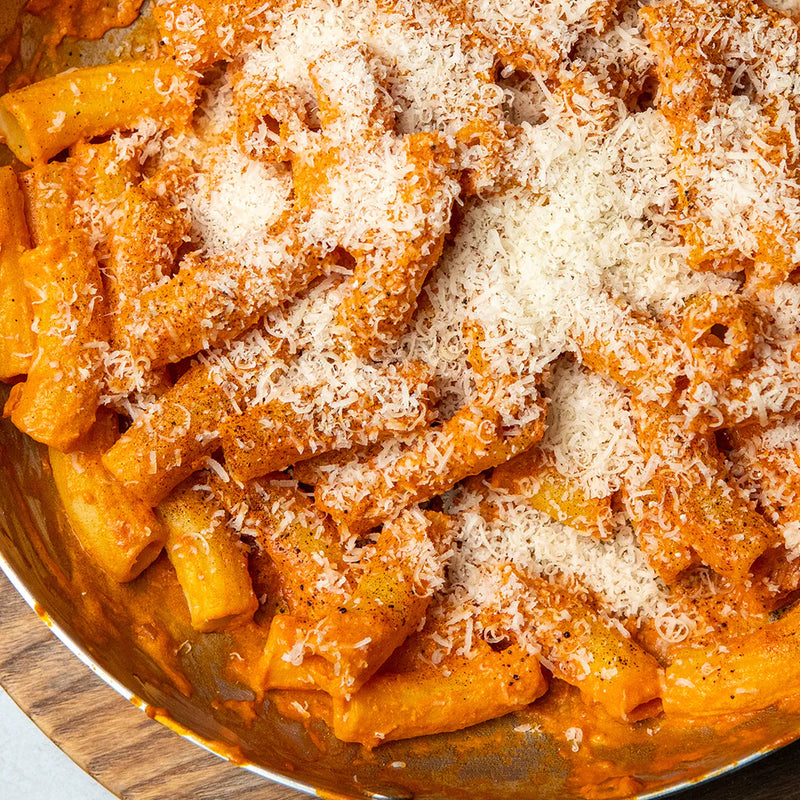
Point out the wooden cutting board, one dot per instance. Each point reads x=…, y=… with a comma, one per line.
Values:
x=131, y=755
x=138, y=759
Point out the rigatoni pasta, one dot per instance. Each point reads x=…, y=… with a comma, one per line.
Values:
x=120, y=532
x=57, y=403
x=41, y=120
x=17, y=340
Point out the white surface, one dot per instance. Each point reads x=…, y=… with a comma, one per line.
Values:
x=33, y=768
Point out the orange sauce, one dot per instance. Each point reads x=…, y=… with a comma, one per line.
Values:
x=43, y=615
x=325, y=795
x=85, y=19
x=75, y=19
x=9, y=48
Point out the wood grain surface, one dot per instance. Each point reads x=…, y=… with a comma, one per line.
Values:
x=138, y=759
x=130, y=754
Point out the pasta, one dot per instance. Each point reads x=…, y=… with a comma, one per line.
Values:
x=120, y=531
x=17, y=342
x=57, y=403
x=438, y=357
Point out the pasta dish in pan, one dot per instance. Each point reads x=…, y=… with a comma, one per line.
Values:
x=445, y=349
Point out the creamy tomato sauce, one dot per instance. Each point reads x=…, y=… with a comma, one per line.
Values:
x=76, y=19
x=86, y=19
